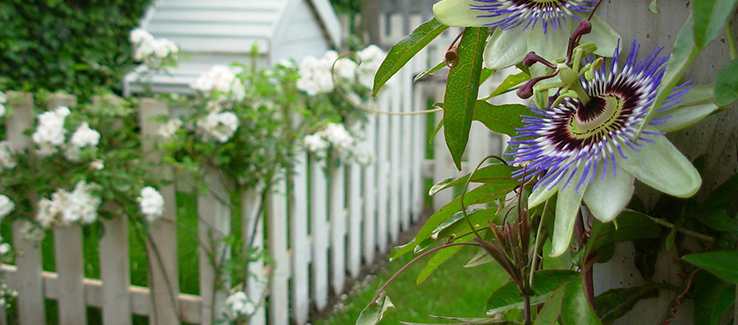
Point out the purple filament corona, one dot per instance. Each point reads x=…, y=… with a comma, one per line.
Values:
x=514, y=13
x=573, y=137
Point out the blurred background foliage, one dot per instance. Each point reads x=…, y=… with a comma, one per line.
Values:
x=76, y=46
x=347, y=6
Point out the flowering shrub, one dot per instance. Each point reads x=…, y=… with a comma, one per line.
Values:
x=155, y=53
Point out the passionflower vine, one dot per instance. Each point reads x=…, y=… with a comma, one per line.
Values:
x=585, y=148
x=522, y=26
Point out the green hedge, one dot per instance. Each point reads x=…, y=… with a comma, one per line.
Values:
x=70, y=45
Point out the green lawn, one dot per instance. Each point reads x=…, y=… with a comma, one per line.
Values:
x=451, y=291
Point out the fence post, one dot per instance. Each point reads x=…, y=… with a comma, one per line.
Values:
x=68, y=248
x=396, y=138
x=370, y=194
x=114, y=257
x=337, y=199
x=382, y=173
x=277, y=236
x=419, y=143
x=354, y=217
x=253, y=226
x=407, y=145
x=28, y=252
x=162, y=245
x=300, y=291
x=319, y=233
x=214, y=223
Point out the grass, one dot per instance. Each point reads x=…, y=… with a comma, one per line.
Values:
x=451, y=291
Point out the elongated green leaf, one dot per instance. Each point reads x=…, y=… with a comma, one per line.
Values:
x=486, y=74
x=717, y=219
x=503, y=119
x=464, y=321
x=551, y=309
x=544, y=284
x=575, y=309
x=483, y=194
x=405, y=50
x=398, y=251
x=438, y=259
x=720, y=263
x=712, y=298
x=709, y=19
x=487, y=174
x=726, y=84
x=615, y=303
x=684, y=53
x=509, y=83
x=459, y=226
x=430, y=71
x=631, y=225
x=373, y=313
x=721, y=197
x=462, y=89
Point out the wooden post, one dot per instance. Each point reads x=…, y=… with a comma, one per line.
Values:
x=252, y=213
x=277, y=223
x=382, y=174
x=28, y=252
x=394, y=181
x=406, y=88
x=370, y=194
x=319, y=233
x=354, y=217
x=300, y=291
x=162, y=247
x=337, y=202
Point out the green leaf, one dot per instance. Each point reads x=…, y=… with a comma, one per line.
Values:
x=398, y=251
x=483, y=194
x=615, y=303
x=486, y=74
x=653, y=7
x=717, y=219
x=373, y=313
x=631, y=225
x=712, y=298
x=438, y=259
x=509, y=83
x=551, y=309
x=671, y=236
x=456, y=225
x=684, y=53
x=720, y=263
x=503, y=119
x=721, y=197
x=726, y=84
x=430, y=71
x=464, y=321
x=709, y=18
x=405, y=50
x=575, y=309
x=462, y=89
x=487, y=174
x=544, y=283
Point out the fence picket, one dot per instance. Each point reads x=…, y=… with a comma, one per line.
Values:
x=68, y=252
x=28, y=252
x=442, y=163
x=394, y=181
x=382, y=174
x=370, y=191
x=407, y=147
x=319, y=233
x=354, y=217
x=162, y=237
x=214, y=223
x=253, y=231
x=337, y=215
x=419, y=143
x=300, y=291
x=277, y=225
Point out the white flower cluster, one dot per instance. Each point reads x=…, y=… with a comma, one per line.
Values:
x=151, y=203
x=65, y=208
x=167, y=131
x=150, y=50
x=337, y=137
x=239, y=306
x=49, y=134
x=4, y=247
x=219, y=126
x=6, y=294
x=371, y=58
x=3, y=100
x=315, y=74
x=221, y=82
x=6, y=206
x=6, y=155
x=83, y=137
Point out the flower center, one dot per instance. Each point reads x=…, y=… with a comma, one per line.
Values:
x=595, y=115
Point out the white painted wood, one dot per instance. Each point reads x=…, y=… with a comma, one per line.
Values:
x=278, y=289
x=406, y=146
x=329, y=19
x=299, y=33
x=70, y=269
x=162, y=245
x=253, y=226
x=28, y=252
x=370, y=194
x=443, y=165
x=395, y=172
x=213, y=209
x=383, y=174
x=319, y=233
x=337, y=214
x=115, y=271
x=355, y=218
x=300, y=290
x=419, y=143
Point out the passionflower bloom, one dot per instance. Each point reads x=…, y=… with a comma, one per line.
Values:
x=585, y=149
x=522, y=26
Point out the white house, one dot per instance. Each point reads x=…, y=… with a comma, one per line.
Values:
x=213, y=32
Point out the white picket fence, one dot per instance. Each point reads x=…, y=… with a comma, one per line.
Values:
x=320, y=230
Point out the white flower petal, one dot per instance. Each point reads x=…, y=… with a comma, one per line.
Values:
x=540, y=195
x=551, y=45
x=607, y=197
x=458, y=13
x=602, y=35
x=567, y=209
x=661, y=166
x=506, y=48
